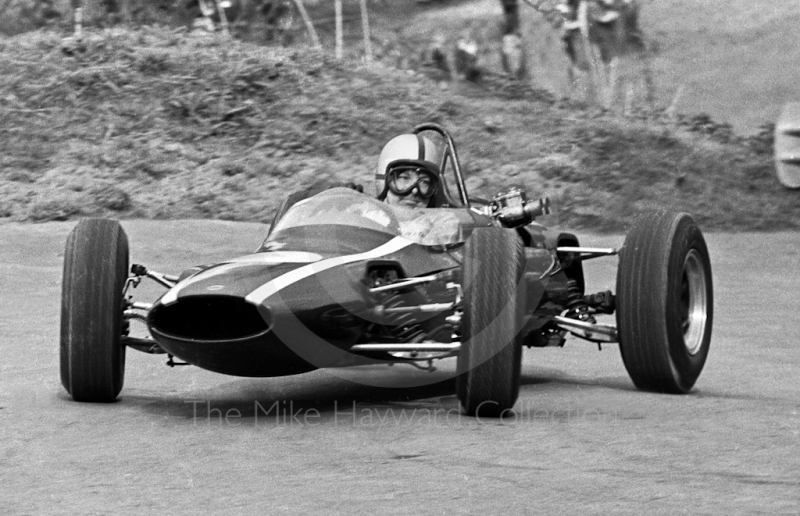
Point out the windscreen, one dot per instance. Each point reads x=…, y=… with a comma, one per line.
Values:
x=346, y=207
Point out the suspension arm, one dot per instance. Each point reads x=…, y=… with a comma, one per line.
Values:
x=587, y=253
x=166, y=280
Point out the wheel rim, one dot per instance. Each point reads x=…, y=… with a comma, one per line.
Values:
x=694, y=302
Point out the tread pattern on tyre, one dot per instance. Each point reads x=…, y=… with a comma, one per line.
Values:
x=95, y=270
x=651, y=265
x=490, y=358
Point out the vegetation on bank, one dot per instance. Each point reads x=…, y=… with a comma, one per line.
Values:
x=160, y=123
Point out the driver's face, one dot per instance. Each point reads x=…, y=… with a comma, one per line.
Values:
x=412, y=200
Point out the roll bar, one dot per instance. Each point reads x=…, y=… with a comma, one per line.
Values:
x=450, y=151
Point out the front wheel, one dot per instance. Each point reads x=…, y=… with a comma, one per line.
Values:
x=664, y=302
x=95, y=270
x=491, y=351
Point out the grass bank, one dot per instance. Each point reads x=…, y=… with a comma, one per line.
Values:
x=157, y=123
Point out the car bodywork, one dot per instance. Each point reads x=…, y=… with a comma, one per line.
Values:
x=343, y=279
x=787, y=146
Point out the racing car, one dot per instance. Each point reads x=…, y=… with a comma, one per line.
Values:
x=343, y=279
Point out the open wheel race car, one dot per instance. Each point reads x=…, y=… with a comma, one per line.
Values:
x=343, y=279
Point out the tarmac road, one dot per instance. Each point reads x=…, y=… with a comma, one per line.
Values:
x=186, y=441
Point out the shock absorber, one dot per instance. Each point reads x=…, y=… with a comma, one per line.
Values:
x=576, y=304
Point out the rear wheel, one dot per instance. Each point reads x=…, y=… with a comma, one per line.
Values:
x=664, y=302
x=491, y=351
x=95, y=269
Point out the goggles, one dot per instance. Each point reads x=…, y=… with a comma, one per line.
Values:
x=404, y=178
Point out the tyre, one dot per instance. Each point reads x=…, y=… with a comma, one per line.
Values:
x=491, y=351
x=95, y=269
x=664, y=302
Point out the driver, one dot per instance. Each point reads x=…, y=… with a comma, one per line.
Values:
x=408, y=171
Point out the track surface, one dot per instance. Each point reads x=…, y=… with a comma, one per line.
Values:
x=584, y=441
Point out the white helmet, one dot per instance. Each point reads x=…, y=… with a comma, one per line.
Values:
x=407, y=149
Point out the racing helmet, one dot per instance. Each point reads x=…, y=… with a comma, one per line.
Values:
x=408, y=149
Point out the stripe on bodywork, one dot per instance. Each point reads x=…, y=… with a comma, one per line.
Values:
x=279, y=257
x=172, y=294
x=260, y=294
x=274, y=257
